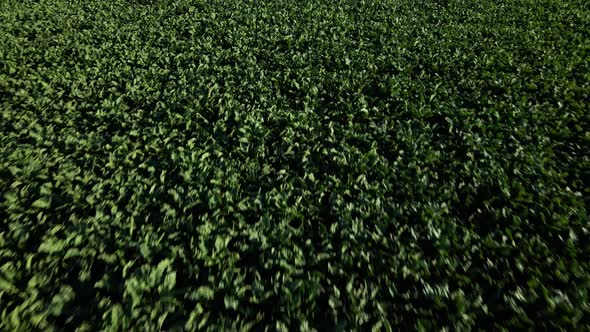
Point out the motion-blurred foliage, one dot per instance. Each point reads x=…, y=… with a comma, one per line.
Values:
x=286, y=165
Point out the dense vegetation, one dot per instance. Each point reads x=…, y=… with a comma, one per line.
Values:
x=314, y=164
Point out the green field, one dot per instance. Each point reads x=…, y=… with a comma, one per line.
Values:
x=294, y=165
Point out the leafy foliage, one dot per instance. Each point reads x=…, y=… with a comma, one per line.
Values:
x=329, y=165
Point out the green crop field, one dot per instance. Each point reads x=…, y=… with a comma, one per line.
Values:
x=228, y=165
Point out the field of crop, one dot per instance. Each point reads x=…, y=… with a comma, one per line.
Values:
x=294, y=165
